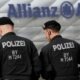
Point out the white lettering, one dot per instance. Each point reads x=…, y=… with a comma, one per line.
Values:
x=63, y=46
x=13, y=44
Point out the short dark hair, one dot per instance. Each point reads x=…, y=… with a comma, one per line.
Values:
x=6, y=20
x=52, y=24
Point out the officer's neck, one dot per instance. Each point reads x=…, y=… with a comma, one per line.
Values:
x=53, y=35
x=6, y=33
x=6, y=29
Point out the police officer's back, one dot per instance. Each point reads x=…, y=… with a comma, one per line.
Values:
x=18, y=56
x=60, y=58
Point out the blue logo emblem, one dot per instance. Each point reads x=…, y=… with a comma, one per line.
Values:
x=67, y=9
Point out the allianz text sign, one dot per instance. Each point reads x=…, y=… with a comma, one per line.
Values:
x=66, y=10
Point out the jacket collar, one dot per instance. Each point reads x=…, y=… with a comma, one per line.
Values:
x=7, y=34
x=57, y=36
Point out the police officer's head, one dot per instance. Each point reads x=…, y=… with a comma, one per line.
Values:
x=6, y=25
x=51, y=29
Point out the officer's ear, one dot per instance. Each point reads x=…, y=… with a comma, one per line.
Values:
x=0, y=31
x=49, y=31
x=0, y=28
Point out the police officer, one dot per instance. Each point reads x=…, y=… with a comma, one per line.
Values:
x=60, y=57
x=18, y=56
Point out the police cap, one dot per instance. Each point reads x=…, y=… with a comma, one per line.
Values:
x=52, y=24
x=6, y=20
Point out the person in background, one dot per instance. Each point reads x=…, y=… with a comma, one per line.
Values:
x=61, y=56
x=19, y=59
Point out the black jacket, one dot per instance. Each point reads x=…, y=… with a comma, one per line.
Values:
x=60, y=58
x=18, y=57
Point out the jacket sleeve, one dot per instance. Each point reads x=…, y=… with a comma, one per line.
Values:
x=78, y=56
x=1, y=52
x=36, y=65
x=46, y=66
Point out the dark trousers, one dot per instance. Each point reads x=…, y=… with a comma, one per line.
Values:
x=15, y=79
x=65, y=78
